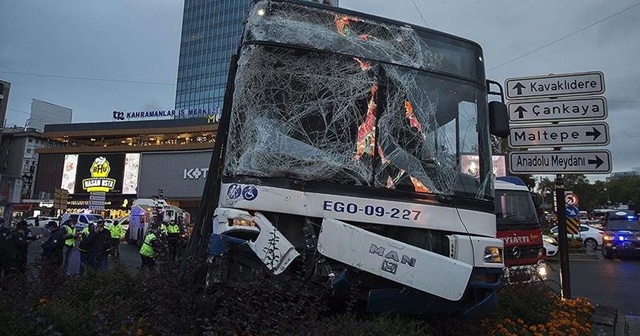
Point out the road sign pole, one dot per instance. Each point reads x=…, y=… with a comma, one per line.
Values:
x=565, y=278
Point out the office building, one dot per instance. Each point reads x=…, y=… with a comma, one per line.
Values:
x=44, y=113
x=4, y=99
x=143, y=157
x=211, y=31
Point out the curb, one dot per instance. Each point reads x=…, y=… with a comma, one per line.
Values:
x=606, y=321
x=603, y=321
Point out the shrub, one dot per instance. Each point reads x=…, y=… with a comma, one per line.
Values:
x=535, y=310
x=174, y=301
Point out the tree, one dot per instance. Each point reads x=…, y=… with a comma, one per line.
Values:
x=624, y=191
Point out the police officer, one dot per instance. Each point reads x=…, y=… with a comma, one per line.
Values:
x=70, y=240
x=163, y=228
x=17, y=248
x=117, y=233
x=83, y=247
x=52, y=249
x=173, y=239
x=148, y=249
x=99, y=245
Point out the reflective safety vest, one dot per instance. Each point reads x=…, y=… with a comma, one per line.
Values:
x=70, y=231
x=116, y=231
x=146, y=249
x=173, y=228
x=163, y=228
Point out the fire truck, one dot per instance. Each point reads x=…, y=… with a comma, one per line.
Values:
x=519, y=228
x=340, y=158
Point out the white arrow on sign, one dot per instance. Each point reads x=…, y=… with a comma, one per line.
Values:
x=592, y=134
x=584, y=83
x=560, y=162
x=583, y=108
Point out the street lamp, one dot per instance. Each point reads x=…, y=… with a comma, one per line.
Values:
x=608, y=199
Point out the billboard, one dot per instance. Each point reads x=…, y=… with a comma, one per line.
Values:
x=108, y=173
x=178, y=174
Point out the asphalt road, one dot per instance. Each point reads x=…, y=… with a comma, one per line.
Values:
x=614, y=283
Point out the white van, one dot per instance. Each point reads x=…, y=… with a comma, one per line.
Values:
x=82, y=219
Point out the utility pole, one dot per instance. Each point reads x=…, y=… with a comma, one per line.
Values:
x=565, y=278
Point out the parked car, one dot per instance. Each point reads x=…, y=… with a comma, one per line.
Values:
x=82, y=219
x=551, y=245
x=622, y=234
x=42, y=220
x=124, y=222
x=591, y=237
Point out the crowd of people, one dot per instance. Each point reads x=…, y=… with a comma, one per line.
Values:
x=163, y=237
x=96, y=243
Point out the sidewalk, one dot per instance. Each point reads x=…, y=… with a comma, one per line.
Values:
x=607, y=322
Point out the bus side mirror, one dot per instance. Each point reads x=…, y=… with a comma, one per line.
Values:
x=498, y=119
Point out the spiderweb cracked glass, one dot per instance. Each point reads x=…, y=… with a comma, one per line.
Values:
x=296, y=115
x=340, y=115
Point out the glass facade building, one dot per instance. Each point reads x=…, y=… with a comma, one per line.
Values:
x=211, y=32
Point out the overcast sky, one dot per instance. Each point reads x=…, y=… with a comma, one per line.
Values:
x=97, y=56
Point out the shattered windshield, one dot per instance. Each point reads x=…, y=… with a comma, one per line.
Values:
x=311, y=115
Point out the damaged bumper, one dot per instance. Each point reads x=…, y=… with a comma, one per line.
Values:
x=420, y=281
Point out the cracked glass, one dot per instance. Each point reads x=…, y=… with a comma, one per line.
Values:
x=321, y=96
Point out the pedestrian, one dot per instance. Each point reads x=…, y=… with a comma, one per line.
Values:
x=149, y=249
x=52, y=249
x=84, y=247
x=5, y=232
x=173, y=239
x=99, y=245
x=69, y=241
x=117, y=233
x=18, y=248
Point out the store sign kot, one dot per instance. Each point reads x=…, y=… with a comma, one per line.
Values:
x=195, y=173
x=212, y=114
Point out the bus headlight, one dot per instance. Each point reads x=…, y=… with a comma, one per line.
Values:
x=492, y=254
x=243, y=222
x=542, y=271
